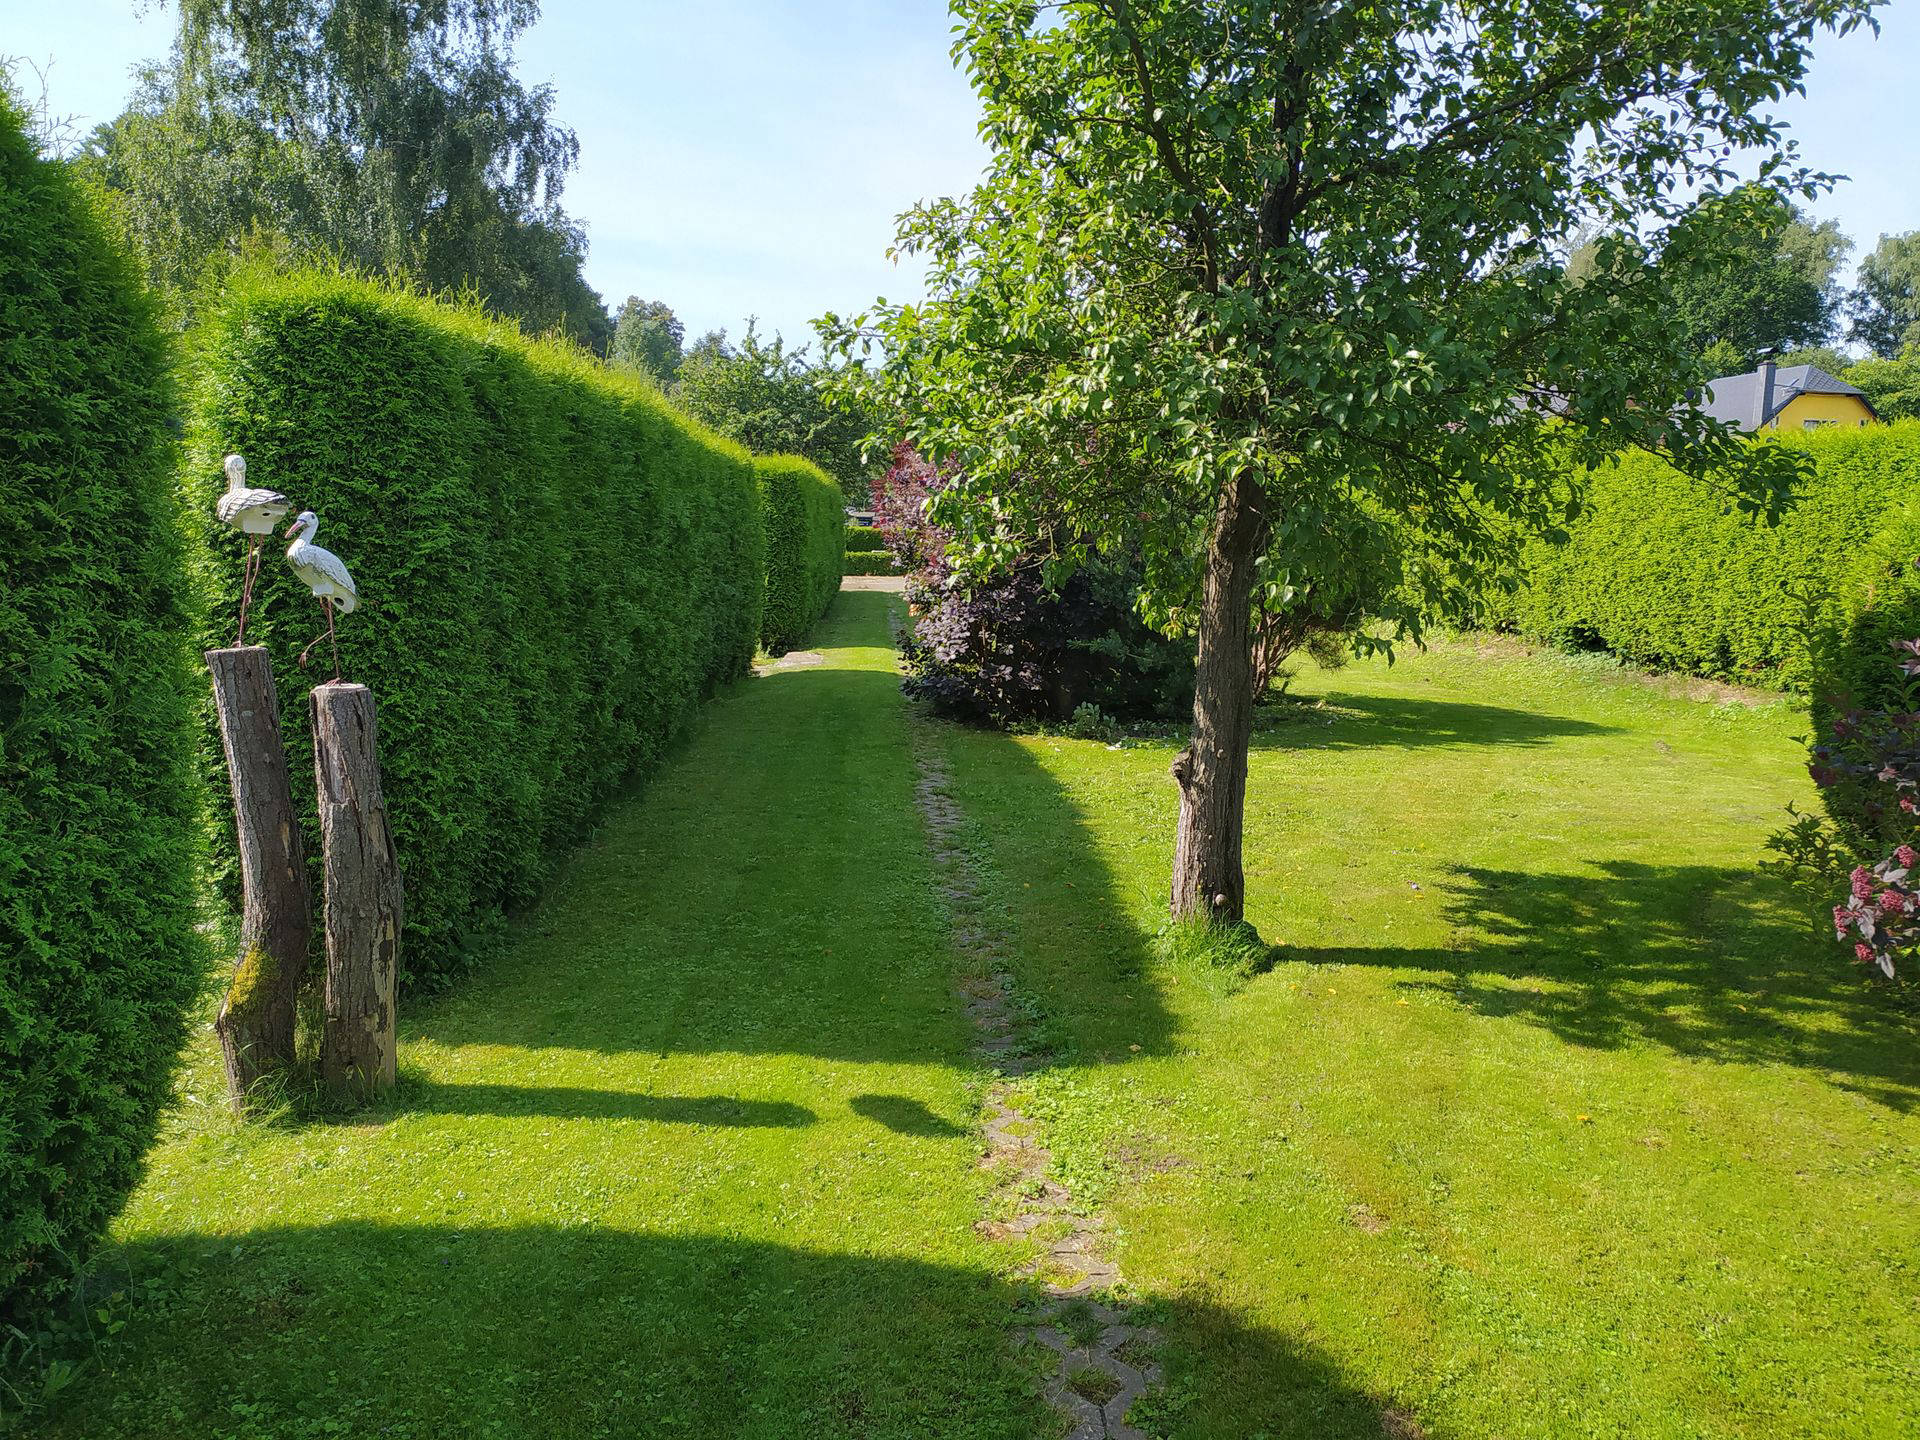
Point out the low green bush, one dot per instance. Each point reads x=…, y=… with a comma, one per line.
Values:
x=1662, y=570
x=806, y=535
x=555, y=568
x=865, y=537
x=868, y=562
x=98, y=821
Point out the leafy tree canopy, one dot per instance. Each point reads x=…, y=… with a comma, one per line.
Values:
x=1891, y=385
x=1885, y=304
x=1249, y=283
x=647, y=337
x=392, y=135
x=1770, y=288
x=772, y=401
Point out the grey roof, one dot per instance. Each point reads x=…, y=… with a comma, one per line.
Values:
x=1737, y=398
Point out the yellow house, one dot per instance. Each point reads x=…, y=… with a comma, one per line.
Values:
x=1789, y=397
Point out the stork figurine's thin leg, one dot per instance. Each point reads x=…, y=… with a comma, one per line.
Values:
x=327, y=635
x=249, y=573
x=321, y=636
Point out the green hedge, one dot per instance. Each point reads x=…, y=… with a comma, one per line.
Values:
x=1663, y=571
x=865, y=537
x=869, y=562
x=98, y=826
x=555, y=568
x=806, y=533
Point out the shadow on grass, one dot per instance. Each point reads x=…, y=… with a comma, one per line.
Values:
x=424, y=1097
x=904, y=1115
x=1355, y=722
x=568, y=1333
x=1704, y=961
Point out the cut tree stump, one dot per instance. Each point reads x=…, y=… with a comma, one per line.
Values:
x=255, y=1023
x=363, y=895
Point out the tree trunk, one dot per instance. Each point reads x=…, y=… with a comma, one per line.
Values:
x=1212, y=769
x=363, y=896
x=255, y=1023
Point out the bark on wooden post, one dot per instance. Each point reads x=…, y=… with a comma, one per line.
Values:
x=363, y=896
x=255, y=1023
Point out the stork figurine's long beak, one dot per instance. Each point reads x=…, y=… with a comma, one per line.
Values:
x=290, y=529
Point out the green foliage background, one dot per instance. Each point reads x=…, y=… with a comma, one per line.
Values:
x=806, y=539
x=1663, y=570
x=98, y=958
x=555, y=567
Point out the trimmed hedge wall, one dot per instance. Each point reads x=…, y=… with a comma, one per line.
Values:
x=869, y=562
x=555, y=568
x=865, y=537
x=1663, y=571
x=806, y=537
x=99, y=962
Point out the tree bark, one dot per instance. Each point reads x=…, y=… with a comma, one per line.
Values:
x=1212, y=770
x=255, y=1024
x=363, y=894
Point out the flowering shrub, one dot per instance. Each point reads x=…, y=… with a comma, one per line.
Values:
x=1869, y=772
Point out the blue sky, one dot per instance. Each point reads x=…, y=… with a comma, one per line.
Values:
x=748, y=156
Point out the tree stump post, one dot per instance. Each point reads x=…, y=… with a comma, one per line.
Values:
x=255, y=1023
x=363, y=894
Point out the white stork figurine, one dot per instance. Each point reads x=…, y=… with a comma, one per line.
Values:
x=325, y=575
x=255, y=513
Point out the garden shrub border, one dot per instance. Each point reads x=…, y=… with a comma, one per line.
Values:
x=1662, y=570
x=806, y=527
x=556, y=567
x=99, y=822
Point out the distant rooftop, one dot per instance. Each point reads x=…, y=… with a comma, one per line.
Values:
x=1742, y=399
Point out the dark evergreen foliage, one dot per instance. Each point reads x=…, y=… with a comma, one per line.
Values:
x=98, y=958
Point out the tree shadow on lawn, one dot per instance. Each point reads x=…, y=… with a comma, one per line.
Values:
x=1352, y=722
x=567, y=1333
x=904, y=1115
x=419, y=1096
x=1707, y=962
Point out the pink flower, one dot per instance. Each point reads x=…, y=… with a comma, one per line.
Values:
x=1907, y=855
x=1862, y=951
x=1907, y=804
x=1893, y=902
x=1862, y=883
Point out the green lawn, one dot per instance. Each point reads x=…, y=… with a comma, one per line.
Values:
x=1552, y=1121
x=693, y=1158
x=1584, y=1135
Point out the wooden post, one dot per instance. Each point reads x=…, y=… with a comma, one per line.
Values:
x=255, y=1024
x=363, y=897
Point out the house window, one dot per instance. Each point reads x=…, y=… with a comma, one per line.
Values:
x=1815, y=424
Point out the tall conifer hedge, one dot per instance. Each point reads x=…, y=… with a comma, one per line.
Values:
x=555, y=568
x=98, y=832
x=1663, y=571
x=806, y=540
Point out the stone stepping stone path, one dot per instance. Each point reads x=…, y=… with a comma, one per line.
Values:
x=1104, y=1362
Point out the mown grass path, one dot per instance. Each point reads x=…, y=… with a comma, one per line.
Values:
x=694, y=1157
